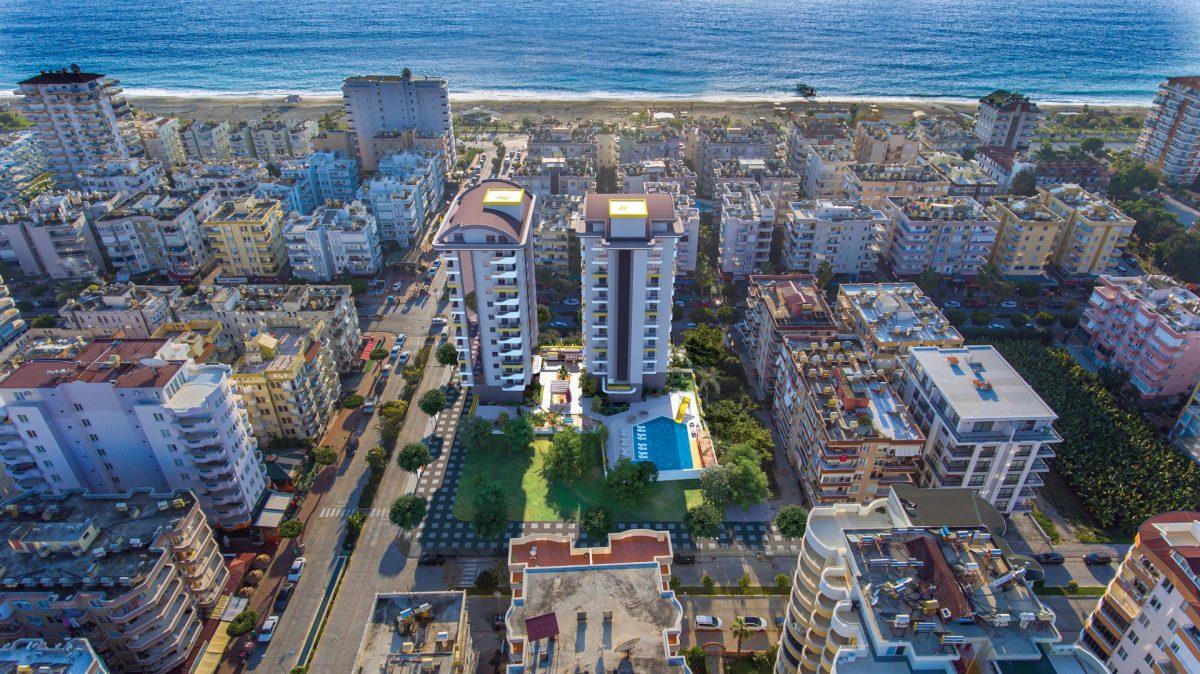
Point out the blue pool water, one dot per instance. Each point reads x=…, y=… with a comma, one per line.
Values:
x=663, y=442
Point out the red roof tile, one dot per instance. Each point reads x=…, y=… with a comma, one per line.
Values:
x=95, y=364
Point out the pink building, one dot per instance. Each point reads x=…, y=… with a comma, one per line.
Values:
x=1148, y=326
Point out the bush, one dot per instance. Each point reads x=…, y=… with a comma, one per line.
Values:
x=377, y=458
x=475, y=433
x=413, y=456
x=703, y=521
x=491, y=508
x=744, y=583
x=352, y=401
x=697, y=661
x=598, y=523
x=325, y=456
x=486, y=581
x=980, y=317
x=379, y=353
x=708, y=583
x=242, y=624
x=956, y=316
x=782, y=581
x=291, y=529
x=407, y=511
x=792, y=521
x=1044, y=318
x=1019, y=320
x=517, y=434
x=432, y=401
x=447, y=354
x=44, y=321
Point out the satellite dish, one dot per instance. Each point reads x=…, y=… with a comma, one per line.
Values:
x=627, y=645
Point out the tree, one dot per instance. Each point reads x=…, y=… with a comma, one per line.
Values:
x=377, y=458
x=956, y=316
x=704, y=276
x=291, y=528
x=1046, y=153
x=707, y=582
x=324, y=455
x=44, y=321
x=475, y=432
x=414, y=456
x=1153, y=223
x=928, y=281
x=1130, y=176
x=379, y=353
x=705, y=346
x=740, y=630
x=389, y=418
x=1177, y=256
x=980, y=317
x=597, y=523
x=487, y=582
x=782, y=581
x=447, y=354
x=824, y=275
x=727, y=314
x=432, y=401
x=751, y=485
x=744, y=583
x=407, y=511
x=352, y=401
x=1068, y=321
x=543, y=314
x=715, y=485
x=628, y=482
x=804, y=90
x=1019, y=320
x=563, y=462
x=703, y=520
x=1024, y=184
x=791, y=521
x=491, y=508
x=242, y=624
x=1044, y=318
x=517, y=434
x=1092, y=145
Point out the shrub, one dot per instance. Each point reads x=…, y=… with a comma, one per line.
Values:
x=447, y=354
x=783, y=581
x=1044, y=318
x=475, y=432
x=432, y=401
x=703, y=521
x=980, y=317
x=242, y=624
x=377, y=458
x=598, y=523
x=1068, y=321
x=352, y=401
x=486, y=581
x=628, y=482
x=379, y=353
x=956, y=316
x=708, y=583
x=792, y=521
x=744, y=583
x=324, y=455
x=291, y=528
x=407, y=511
x=413, y=456
x=1019, y=320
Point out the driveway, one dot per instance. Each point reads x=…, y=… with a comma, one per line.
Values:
x=727, y=608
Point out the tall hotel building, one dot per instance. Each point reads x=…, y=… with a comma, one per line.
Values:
x=628, y=246
x=1170, y=140
x=389, y=113
x=487, y=243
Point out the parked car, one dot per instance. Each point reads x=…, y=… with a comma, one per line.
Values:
x=369, y=406
x=997, y=326
x=386, y=369
x=1008, y=304
x=438, y=320
x=281, y=599
x=297, y=569
x=268, y=629
x=1097, y=559
x=404, y=358
x=571, y=302
x=431, y=559
x=754, y=622
x=559, y=324
x=396, y=287
x=952, y=304
x=708, y=622
x=1049, y=558
x=684, y=558
x=399, y=340
x=395, y=351
x=352, y=446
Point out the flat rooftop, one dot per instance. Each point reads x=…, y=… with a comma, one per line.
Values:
x=280, y=350
x=123, y=363
x=1160, y=294
x=1091, y=206
x=951, y=208
x=978, y=383
x=413, y=632
x=895, y=314
x=35, y=656
x=909, y=173
x=1026, y=209
x=793, y=301
x=836, y=210
x=198, y=384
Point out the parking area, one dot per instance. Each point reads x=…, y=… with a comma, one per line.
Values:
x=726, y=608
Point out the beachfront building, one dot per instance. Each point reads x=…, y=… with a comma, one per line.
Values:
x=1002, y=164
x=12, y=326
x=404, y=193
x=232, y=179
x=336, y=239
x=486, y=241
x=1149, y=617
x=556, y=225
x=1170, y=140
x=392, y=640
x=687, y=247
x=815, y=131
x=134, y=311
x=615, y=599
x=554, y=176
x=848, y=236
x=159, y=231
x=1007, y=119
x=632, y=177
x=884, y=143
x=776, y=178
x=81, y=119
x=324, y=177
x=986, y=428
x=246, y=310
x=841, y=425
x=289, y=383
x=205, y=141
x=122, y=178
x=952, y=235
x=24, y=172
x=161, y=140
x=873, y=183
x=747, y=222
x=564, y=141
x=825, y=171
x=132, y=575
x=891, y=318
x=52, y=236
x=1026, y=237
x=966, y=177
x=1148, y=326
x=1094, y=231
x=649, y=142
x=920, y=581
x=628, y=250
x=945, y=133
x=705, y=145
x=275, y=140
x=246, y=237
x=117, y=414
x=388, y=113
x=779, y=306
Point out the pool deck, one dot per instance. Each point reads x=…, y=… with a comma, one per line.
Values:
x=620, y=432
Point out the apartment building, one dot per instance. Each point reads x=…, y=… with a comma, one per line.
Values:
x=1147, y=619
x=950, y=235
x=12, y=326
x=891, y=318
x=80, y=119
x=873, y=183
x=52, y=236
x=132, y=573
x=1002, y=164
x=747, y=223
x=159, y=231
x=30, y=656
x=650, y=142
x=687, y=247
x=486, y=241
x=123, y=178
x=1027, y=235
x=246, y=310
x=600, y=595
x=554, y=176
x=1170, y=139
x=324, y=176
x=632, y=177
x=945, y=133
x=1006, y=118
x=24, y=172
x=563, y=141
x=418, y=632
x=336, y=239
x=275, y=140
x=776, y=178
x=780, y=306
x=884, y=143
x=1147, y=326
x=161, y=140
x=921, y=581
x=555, y=230
x=293, y=194
x=388, y=111
x=825, y=170
x=289, y=383
x=205, y=142
x=985, y=427
x=1094, y=232
x=405, y=192
x=849, y=236
x=628, y=249
x=232, y=179
x=703, y=146
x=246, y=235
x=841, y=425
x=966, y=177
x=1186, y=431
x=135, y=311
x=815, y=131
x=112, y=414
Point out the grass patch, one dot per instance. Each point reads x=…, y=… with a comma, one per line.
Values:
x=1043, y=520
x=532, y=499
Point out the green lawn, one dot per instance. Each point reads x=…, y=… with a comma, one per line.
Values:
x=531, y=499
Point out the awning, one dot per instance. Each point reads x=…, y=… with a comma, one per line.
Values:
x=541, y=627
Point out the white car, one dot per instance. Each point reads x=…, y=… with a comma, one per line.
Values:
x=951, y=304
x=400, y=340
x=1008, y=304
x=297, y=569
x=394, y=352
x=753, y=623
x=708, y=622
x=369, y=406
x=571, y=302
x=438, y=320
x=396, y=287
x=403, y=359
x=268, y=629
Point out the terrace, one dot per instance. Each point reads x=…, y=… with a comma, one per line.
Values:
x=909, y=173
x=415, y=632
x=894, y=314
x=940, y=208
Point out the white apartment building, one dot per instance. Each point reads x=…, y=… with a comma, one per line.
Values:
x=114, y=415
x=1170, y=140
x=949, y=235
x=159, y=231
x=52, y=236
x=12, y=325
x=336, y=239
x=747, y=221
x=687, y=246
x=825, y=174
x=486, y=239
x=849, y=235
x=985, y=428
x=874, y=183
x=1006, y=118
x=703, y=146
x=272, y=140
x=161, y=140
x=884, y=143
x=649, y=143
x=23, y=168
x=628, y=268
x=137, y=311
x=966, y=176
x=632, y=177
x=776, y=178
x=326, y=176
x=383, y=108
x=205, y=141
x=232, y=179
x=554, y=176
x=81, y=120
x=123, y=178
x=73, y=656
x=404, y=193
x=556, y=225
x=566, y=141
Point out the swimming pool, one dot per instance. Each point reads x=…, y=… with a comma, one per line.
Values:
x=663, y=442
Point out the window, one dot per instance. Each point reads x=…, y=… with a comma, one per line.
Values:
x=93, y=437
x=85, y=422
x=1134, y=638
x=158, y=416
x=1168, y=585
x=1122, y=653
x=78, y=407
x=22, y=418
x=1155, y=603
x=39, y=449
x=31, y=434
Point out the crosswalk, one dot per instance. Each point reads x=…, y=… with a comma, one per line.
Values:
x=342, y=512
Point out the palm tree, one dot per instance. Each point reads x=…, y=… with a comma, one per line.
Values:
x=708, y=384
x=740, y=630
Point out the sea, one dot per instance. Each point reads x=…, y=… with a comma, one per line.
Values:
x=1100, y=51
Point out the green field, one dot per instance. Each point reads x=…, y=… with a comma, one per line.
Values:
x=531, y=499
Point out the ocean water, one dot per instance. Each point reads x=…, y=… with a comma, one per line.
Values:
x=1054, y=50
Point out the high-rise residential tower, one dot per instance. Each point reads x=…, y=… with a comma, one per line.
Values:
x=1170, y=140
x=390, y=112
